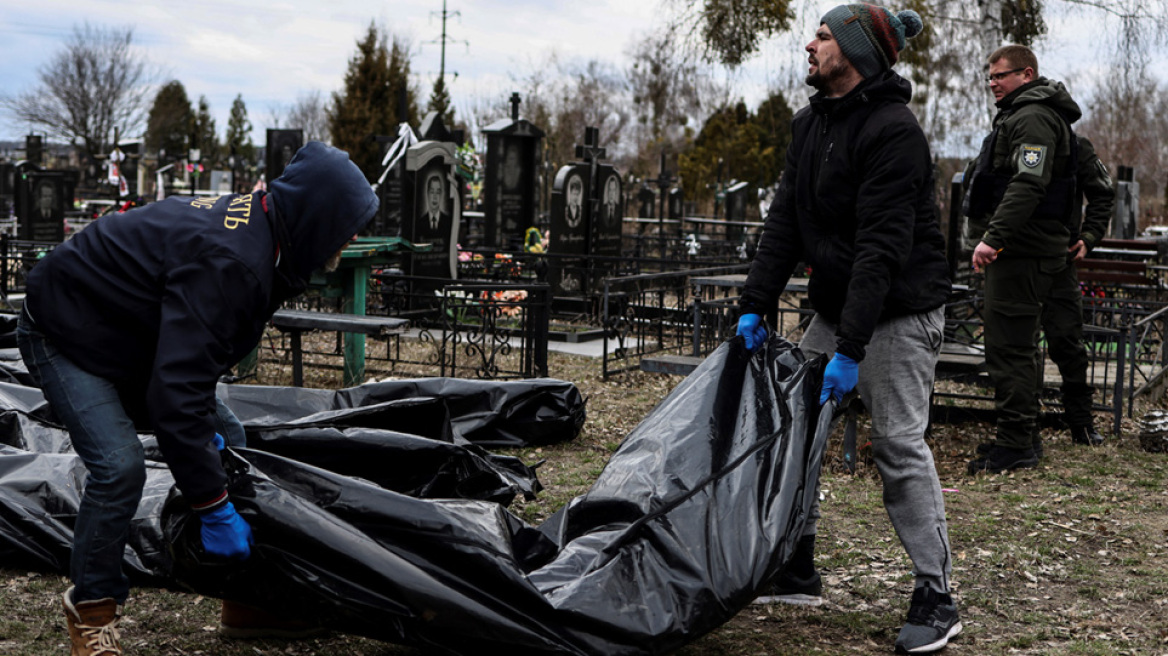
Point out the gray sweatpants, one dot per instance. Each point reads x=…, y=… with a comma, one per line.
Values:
x=895, y=383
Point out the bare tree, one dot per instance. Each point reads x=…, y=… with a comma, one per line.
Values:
x=308, y=113
x=97, y=83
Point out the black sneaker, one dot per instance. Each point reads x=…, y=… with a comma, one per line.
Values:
x=984, y=447
x=1086, y=435
x=799, y=583
x=1000, y=459
x=932, y=621
x=787, y=589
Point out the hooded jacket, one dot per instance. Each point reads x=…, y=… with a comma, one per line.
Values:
x=162, y=300
x=856, y=204
x=1031, y=150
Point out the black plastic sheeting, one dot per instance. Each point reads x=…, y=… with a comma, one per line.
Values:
x=703, y=502
x=40, y=475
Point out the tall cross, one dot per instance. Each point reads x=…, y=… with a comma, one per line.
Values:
x=592, y=152
x=515, y=106
x=664, y=180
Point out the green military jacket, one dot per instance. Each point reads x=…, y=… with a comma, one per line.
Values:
x=1095, y=185
x=1033, y=149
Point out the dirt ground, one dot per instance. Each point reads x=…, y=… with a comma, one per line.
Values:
x=1067, y=558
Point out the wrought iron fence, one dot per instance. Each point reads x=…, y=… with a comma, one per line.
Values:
x=17, y=258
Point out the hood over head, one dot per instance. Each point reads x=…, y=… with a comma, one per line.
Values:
x=321, y=200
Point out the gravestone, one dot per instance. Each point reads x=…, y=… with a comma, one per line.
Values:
x=511, y=201
x=391, y=184
x=606, y=228
x=434, y=214
x=568, y=228
x=676, y=203
x=40, y=205
x=736, y=200
x=281, y=146
x=587, y=210
x=647, y=203
x=34, y=149
x=7, y=188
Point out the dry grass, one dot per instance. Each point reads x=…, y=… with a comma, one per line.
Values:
x=1068, y=558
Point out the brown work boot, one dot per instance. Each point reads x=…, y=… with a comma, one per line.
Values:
x=93, y=626
x=247, y=622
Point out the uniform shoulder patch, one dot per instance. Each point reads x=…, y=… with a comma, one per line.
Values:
x=1032, y=156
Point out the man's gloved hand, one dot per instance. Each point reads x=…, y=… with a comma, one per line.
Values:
x=751, y=328
x=839, y=378
x=225, y=533
x=218, y=441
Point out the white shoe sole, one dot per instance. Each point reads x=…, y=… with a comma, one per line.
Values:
x=791, y=599
x=934, y=646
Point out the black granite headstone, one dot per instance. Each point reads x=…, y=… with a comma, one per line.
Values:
x=281, y=146
x=736, y=199
x=511, y=201
x=606, y=227
x=569, y=227
x=676, y=203
x=647, y=202
x=40, y=206
x=434, y=214
x=34, y=149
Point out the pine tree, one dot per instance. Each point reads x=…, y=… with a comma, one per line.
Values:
x=203, y=136
x=238, y=140
x=167, y=126
x=368, y=104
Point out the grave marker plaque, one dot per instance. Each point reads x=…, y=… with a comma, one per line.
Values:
x=281, y=146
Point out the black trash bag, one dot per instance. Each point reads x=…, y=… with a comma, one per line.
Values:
x=41, y=478
x=700, y=506
x=491, y=414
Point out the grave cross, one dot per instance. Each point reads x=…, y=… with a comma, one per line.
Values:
x=592, y=152
x=515, y=106
x=664, y=180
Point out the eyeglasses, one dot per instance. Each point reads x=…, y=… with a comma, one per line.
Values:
x=998, y=77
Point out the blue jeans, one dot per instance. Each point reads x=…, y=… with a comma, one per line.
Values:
x=104, y=437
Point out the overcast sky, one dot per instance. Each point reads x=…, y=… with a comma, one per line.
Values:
x=277, y=51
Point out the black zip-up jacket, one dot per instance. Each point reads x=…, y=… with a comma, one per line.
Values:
x=856, y=204
x=163, y=299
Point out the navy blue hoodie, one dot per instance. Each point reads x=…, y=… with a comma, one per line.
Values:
x=164, y=299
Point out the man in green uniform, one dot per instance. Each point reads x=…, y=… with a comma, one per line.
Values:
x=1023, y=189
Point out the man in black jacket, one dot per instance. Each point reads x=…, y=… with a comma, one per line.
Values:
x=133, y=321
x=856, y=204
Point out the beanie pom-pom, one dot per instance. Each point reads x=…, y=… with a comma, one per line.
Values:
x=912, y=22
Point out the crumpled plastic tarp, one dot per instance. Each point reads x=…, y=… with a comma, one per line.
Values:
x=700, y=506
x=40, y=475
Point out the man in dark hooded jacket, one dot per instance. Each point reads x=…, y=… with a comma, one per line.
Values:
x=134, y=320
x=856, y=203
x=1023, y=193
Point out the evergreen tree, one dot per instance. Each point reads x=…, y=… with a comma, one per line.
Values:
x=167, y=125
x=238, y=140
x=440, y=102
x=203, y=136
x=367, y=106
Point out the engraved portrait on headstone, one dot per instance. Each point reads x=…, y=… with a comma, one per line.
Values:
x=512, y=169
x=434, y=210
x=574, y=214
x=611, y=212
x=606, y=228
x=41, y=207
x=510, y=199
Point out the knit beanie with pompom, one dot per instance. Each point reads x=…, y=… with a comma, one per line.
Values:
x=870, y=36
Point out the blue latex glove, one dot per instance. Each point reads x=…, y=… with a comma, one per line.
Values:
x=839, y=378
x=751, y=328
x=218, y=441
x=225, y=533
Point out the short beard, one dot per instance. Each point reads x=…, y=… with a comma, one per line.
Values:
x=333, y=262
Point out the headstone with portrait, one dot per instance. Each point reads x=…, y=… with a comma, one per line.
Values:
x=605, y=229
x=281, y=146
x=568, y=228
x=434, y=215
x=40, y=205
x=511, y=201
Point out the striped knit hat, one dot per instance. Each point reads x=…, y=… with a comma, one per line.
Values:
x=871, y=37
